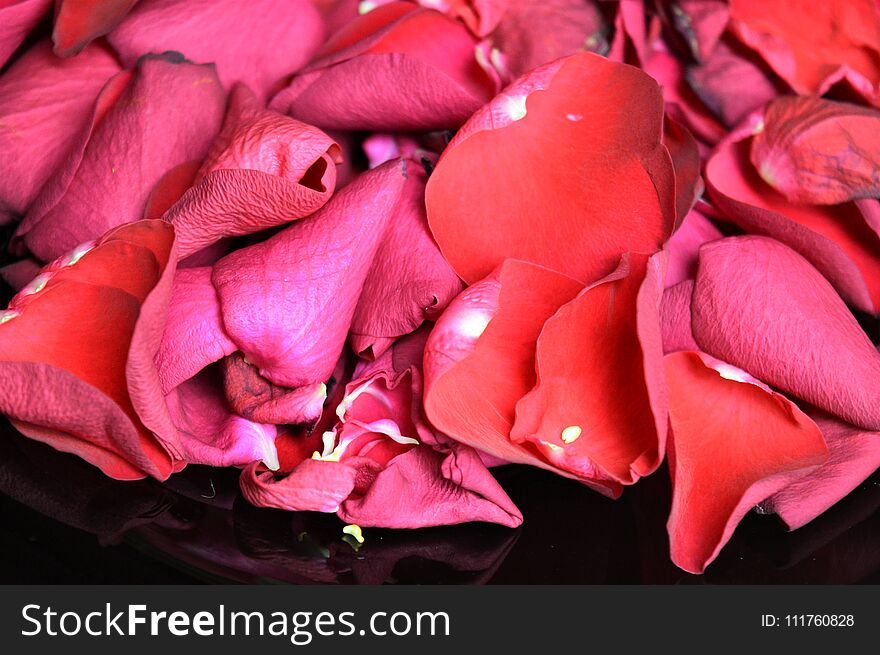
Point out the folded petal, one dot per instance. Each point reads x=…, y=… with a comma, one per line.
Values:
x=257, y=42
x=760, y=306
x=835, y=239
x=44, y=103
x=808, y=43
x=264, y=169
x=819, y=152
x=107, y=180
x=697, y=24
x=854, y=454
x=396, y=67
x=313, y=486
x=480, y=359
x=210, y=433
x=598, y=409
x=288, y=302
x=78, y=22
x=17, y=19
x=71, y=342
x=409, y=281
x=552, y=172
x=733, y=443
x=255, y=398
x=193, y=336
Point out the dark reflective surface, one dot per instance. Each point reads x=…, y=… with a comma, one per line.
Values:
x=63, y=521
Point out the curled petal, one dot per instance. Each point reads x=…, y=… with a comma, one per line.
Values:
x=78, y=22
x=760, y=306
x=264, y=169
x=313, y=486
x=818, y=152
x=733, y=443
x=675, y=318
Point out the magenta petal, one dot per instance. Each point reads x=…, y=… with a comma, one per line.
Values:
x=409, y=280
x=210, y=433
x=193, y=335
x=760, y=306
x=288, y=302
x=854, y=454
x=675, y=318
x=107, y=181
x=44, y=102
x=257, y=42
x=313, y=486
x=17, y=19
x=264, y=169
x=684, y=246
x=423, y=487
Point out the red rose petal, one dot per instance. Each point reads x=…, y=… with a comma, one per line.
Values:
x=78, y=22
x=732, y=444
x=570, y=185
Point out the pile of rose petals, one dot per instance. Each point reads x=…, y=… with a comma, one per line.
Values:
x=365, y=251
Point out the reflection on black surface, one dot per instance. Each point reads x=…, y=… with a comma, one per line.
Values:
x=196, y=528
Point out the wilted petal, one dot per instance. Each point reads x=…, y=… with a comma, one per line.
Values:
x=264, y=169
x=760, y=306
x=107, y=181
x=733, y=443
x=818, y=152
x=257, y=42
x=567, y=181
x=835, y=239
x=44, y=104
x=313, y=486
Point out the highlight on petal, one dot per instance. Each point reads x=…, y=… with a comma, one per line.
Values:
x=78, y=22
x=44, y=103
x=107, y=180
x=854, y=454
x=264, y=169
x=733, y=443
x=288, y=302
x=598, y=409
x=17, y=19
x=257, y=42
x=819, y=152
x=570, y=183
x=836, y=239
x=409, y=280
x=67, y=345
x=760, y=306
x=397, y=67
x=808, y=43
